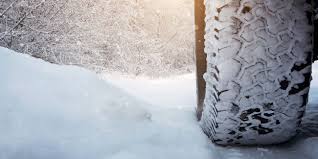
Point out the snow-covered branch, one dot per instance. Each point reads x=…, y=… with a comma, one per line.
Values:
x=136, y=37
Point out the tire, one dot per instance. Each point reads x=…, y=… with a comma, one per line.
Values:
x=259, y=56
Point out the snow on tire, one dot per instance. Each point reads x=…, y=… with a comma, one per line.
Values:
x=259, y=55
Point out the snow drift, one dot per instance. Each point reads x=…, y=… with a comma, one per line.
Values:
x=66, y=112
x=50, y=111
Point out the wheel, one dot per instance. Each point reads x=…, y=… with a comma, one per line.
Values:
x=259, y=56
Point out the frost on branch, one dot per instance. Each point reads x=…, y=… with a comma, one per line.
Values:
x=131, y=36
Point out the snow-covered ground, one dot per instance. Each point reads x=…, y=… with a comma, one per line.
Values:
x=64, y=112
x=314, y=84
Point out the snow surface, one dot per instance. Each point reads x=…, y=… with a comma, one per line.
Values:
x=314, y=84
x=65, y=112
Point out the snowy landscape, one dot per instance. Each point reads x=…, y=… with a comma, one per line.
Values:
x=140, y=37
x=66, y=112
x=115, y=79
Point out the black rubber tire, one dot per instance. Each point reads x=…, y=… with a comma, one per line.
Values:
x=259, y=56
